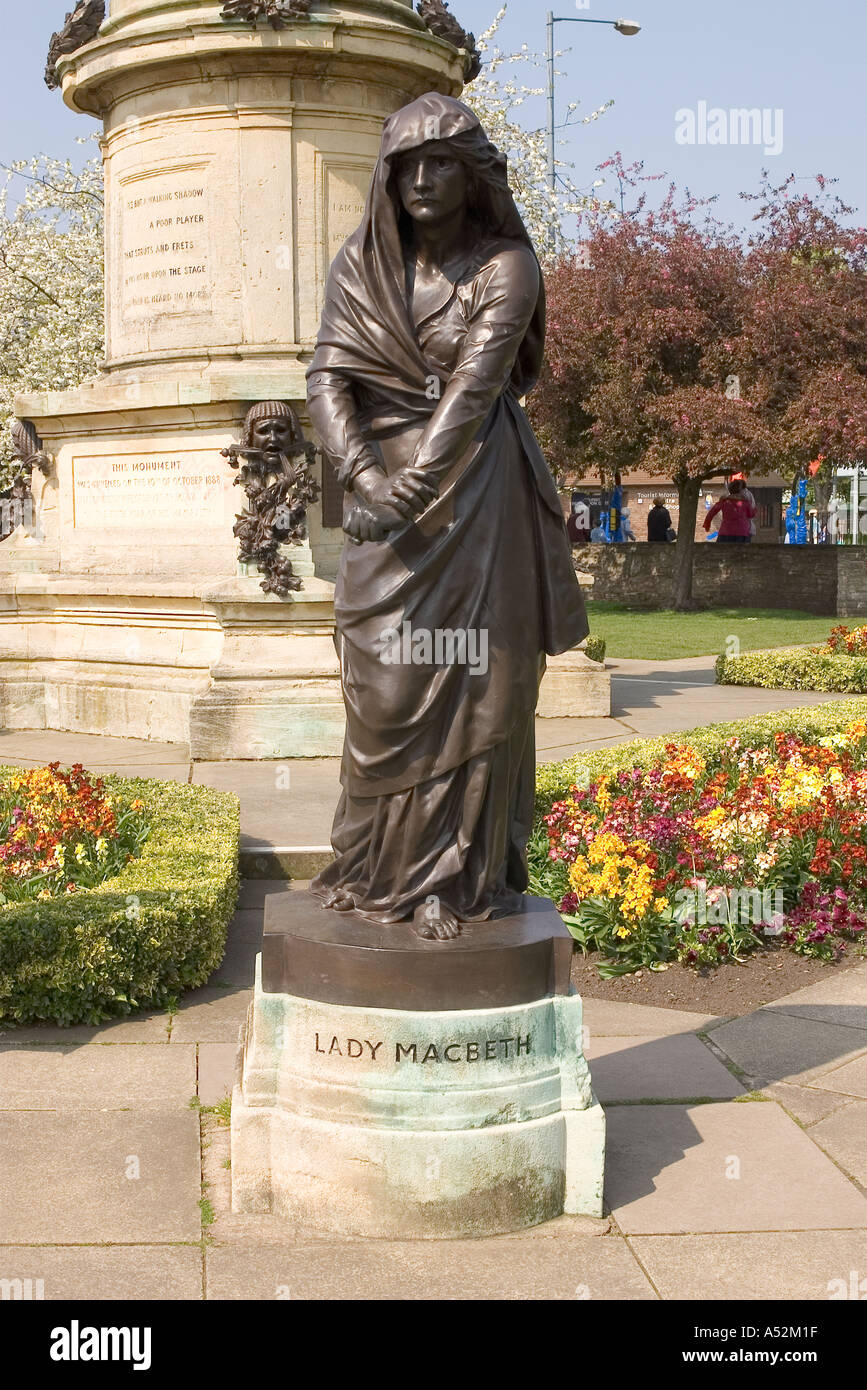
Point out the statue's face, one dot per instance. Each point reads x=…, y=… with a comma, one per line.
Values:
x=432, y=183
x=274, y=436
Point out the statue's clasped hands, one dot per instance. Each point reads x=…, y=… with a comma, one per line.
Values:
x=387, y=504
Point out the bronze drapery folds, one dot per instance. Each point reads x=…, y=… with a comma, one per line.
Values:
x=444, y=613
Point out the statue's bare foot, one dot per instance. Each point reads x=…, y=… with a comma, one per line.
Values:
x=435, y=924
x=339, y=900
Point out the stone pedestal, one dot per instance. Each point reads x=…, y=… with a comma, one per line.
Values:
x=405, y=1122
x=574, y=687
x=274, y=688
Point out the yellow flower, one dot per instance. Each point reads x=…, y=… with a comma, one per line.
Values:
x=603, y=798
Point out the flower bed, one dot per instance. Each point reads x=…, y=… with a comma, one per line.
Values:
x=114, y=895
x=699, y=850
x=61, y=831
x=840, y=664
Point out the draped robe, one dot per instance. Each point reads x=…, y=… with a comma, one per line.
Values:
x=439, y=758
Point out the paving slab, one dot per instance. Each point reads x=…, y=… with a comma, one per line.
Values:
x=501, y=1267
x=807, y=1104
x=247, y=923
x=789, y=1265
x=840, y=999
x=655, y=706
x=286, y=802
x=216, y=1071
x=71, y=1178
x=137, y=1028
x=238, y=966
x=685, y=666
x=210, y=1015
x=772, y=1045
x=97, y=1078
x=117, y=1272
x=848, y=1080
x=557, y=733
x=611, y=1018
x=649, y=1068
x=254, y=891
x=732, y=1166
x=61, y=746
x=843, y=1136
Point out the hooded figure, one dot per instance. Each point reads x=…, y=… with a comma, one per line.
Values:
x=445, y=611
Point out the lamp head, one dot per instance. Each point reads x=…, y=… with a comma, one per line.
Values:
x=627, y=27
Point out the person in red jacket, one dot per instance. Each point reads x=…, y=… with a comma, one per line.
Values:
x=738, y=510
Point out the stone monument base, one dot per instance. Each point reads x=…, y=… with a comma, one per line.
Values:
x=404, y=1122
x=220, y=666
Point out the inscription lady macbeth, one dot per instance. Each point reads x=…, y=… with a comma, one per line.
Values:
x=486, y=1050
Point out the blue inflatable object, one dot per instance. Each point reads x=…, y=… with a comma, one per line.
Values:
x=796, y=514
x=611, y=521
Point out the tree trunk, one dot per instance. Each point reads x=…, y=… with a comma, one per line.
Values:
x=688, y=493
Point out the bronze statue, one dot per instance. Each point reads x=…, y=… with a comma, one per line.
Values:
x=276, y=12
x=16, y=498
x=80, y=26
x=460, y=578
x=440, y=21
x=275, y=475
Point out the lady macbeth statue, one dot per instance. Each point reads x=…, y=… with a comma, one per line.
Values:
x=459, y=578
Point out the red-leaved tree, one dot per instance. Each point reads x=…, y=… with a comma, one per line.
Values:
x=663, y=307
x=807, y=329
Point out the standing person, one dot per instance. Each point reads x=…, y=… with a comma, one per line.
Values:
x=578, y=523
x=737, y=512
x=658, y=521
x=750, y=498
x=458, y=525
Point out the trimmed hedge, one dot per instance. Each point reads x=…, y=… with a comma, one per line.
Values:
x=139, y=939
x=553, y=780
x=795, y=670
x=594, y=648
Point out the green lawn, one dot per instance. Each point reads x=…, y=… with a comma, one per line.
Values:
x=630, y=632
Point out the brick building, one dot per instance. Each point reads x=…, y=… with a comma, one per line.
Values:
x=640, y=489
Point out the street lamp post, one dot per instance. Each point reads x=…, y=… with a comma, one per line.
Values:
x=627, y=27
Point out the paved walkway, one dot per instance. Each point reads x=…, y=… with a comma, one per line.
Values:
x=737, y=1162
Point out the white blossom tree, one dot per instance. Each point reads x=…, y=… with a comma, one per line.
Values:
x=495, y=96
x=51, y=282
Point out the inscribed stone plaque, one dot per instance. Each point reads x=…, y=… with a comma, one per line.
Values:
x=166, y=253
x=181, y=492
x=346, y=188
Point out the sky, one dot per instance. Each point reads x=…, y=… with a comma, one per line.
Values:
x=798, y=62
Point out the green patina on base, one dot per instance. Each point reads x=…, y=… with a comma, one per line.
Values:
x=384, y=1122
